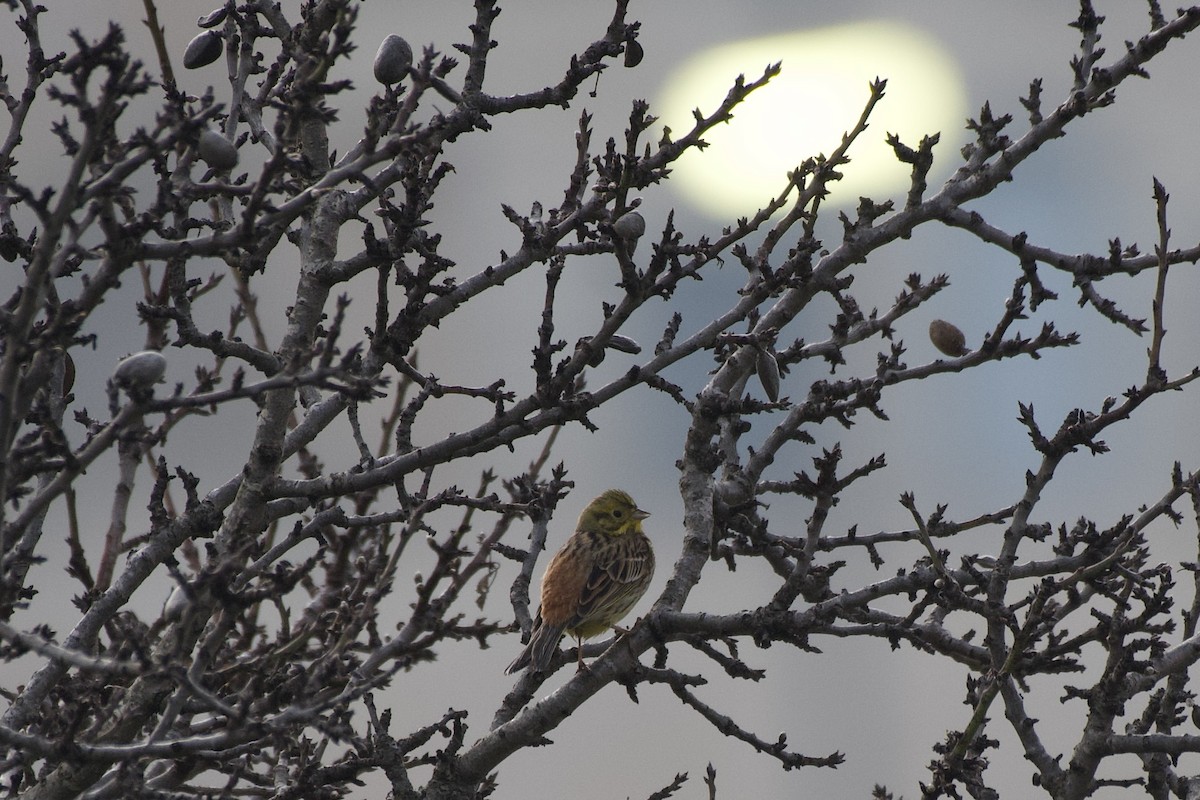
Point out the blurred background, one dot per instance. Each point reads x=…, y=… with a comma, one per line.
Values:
x=950, y=440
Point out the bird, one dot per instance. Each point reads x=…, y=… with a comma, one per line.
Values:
x=593, y=581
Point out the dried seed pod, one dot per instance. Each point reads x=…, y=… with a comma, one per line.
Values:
x=595, y=359
x=203, y=50
x=633, y=53
x=177, y=602
x=213, y=18
x=10, y=241
x=68, y=373
x=768, y=373
x=630, y=226
x=392, y=60
x=140, y=370
x=948, y=338
x=217, y=151
x=624, y=344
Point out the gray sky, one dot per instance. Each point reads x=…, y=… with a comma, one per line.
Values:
x=951, y=440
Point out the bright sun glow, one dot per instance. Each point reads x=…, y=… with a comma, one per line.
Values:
x=806, y=109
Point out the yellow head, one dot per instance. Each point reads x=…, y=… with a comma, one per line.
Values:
x=613, y=513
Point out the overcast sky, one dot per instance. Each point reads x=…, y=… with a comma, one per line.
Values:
x=951, y=440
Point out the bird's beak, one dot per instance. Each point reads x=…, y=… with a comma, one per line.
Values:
x=638, y=514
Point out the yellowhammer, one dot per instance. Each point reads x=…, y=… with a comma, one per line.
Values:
x=593, y=581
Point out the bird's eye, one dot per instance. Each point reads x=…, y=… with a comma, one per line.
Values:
x=618, y=513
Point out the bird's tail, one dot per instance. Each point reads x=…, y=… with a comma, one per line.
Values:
x=539, y=651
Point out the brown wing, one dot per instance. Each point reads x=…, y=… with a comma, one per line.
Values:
x=620, y=572
x=566, y=577
x=562, y=584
